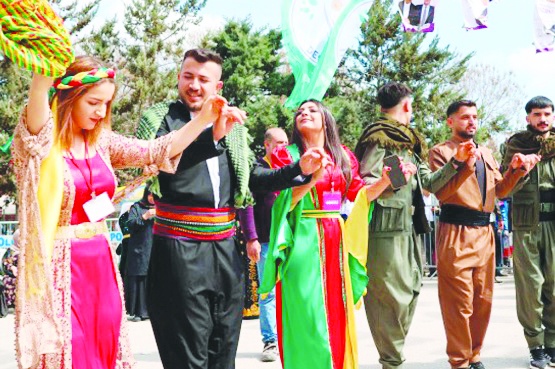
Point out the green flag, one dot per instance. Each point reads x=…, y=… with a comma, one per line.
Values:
x=316, y=34
x=5, y=148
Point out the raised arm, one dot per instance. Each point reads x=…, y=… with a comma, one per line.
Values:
x=518, y=168
x=290, y=174
x=439, y=161
x=211, y=111
x=38, y=108
x=435, y=181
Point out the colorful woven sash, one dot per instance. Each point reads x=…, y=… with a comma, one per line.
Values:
x=33, y=37
x=194, y=224
x=321, y=214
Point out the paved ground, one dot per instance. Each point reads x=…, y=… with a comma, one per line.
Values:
x=505, y=347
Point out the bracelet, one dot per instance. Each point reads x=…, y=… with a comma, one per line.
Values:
x=457, y=164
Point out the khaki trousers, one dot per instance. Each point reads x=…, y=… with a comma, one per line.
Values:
x=466, y=272
x=534, y=271
x=395, y=272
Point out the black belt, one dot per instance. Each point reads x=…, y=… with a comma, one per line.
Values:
x=547, y=196
x=460, y=215
x=546, y=217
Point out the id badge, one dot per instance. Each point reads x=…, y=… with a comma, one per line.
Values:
x=332, y=200
x=99, y=207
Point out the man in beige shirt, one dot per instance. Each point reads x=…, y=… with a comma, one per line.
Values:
x=465, y=239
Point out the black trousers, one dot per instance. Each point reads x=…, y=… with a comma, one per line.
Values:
x=195, y=300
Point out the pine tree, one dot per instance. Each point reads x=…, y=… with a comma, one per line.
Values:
x=386, y=54
x=151, y=56
x=147, y=56
x=254, y=75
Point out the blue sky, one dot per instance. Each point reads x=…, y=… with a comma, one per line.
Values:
x=507, y=43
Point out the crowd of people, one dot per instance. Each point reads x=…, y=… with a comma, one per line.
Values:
x=183, y=266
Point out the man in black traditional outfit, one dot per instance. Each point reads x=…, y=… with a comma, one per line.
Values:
x=195, y=278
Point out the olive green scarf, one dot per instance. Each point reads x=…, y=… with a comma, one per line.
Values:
x=529, y=142
x=392, y=135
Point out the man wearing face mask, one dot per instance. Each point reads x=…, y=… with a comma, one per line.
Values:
x=465, y=238
x=533, y=217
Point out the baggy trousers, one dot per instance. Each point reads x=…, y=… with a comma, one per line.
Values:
x=195, y=301
x=534, y=271
x=395, y=272
x=466, y=272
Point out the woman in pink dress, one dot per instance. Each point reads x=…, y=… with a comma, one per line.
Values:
x=69, y=311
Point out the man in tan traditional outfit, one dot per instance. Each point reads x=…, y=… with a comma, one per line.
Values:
x=465, y=240
x=394, y=251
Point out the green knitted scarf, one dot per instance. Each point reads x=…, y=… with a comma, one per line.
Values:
x=391, y=135
x=237, y=142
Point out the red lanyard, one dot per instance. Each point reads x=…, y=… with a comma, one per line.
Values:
x=331, y=176
x=88, y=182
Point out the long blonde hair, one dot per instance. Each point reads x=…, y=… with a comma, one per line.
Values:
x=67, y=98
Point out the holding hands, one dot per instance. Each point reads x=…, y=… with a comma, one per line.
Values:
x=315, y=161
x=224, y=117
x=524, y=163
x=466, y=153
x=217, y=111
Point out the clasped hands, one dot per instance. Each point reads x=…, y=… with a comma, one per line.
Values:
x=216, y=110
x=524, y=163
x=468, y=153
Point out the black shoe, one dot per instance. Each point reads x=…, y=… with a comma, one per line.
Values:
x=538, y=358
x=477, y=365
x=499, y=273
x=144, y=318
x=550, y=351
x=496, y=280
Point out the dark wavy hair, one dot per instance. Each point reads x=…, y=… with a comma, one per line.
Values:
x=332, y=144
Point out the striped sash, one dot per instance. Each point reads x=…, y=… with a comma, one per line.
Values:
x=194, y=224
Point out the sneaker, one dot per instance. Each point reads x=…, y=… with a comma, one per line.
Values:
x=550, y=351
x=538, y=358
x=477, y=365
x=270, y=352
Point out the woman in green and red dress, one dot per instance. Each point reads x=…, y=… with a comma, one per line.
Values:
x=317, y=261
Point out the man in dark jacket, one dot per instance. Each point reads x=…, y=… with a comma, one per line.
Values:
x=195, y=276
